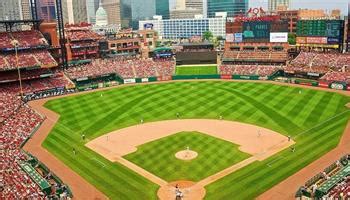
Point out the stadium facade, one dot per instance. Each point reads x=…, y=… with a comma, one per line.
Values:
x=186, y=28
x=231, y=7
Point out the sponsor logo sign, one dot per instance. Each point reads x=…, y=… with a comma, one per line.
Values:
x=333, y=40
x=230, y=37
x=337, y=86
x=238, y=37
x=148, y=26
x=144, y=80
x=316, y=40
x=128, y=81
x=313, y=74
x=226, y=77
x=278, y=37
x=323, y=84
x=301, y=40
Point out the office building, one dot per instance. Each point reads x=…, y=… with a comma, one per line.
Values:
x=187, y=9
x=132, y=11
x=185, y=28
x=25, y=8
x=74, y=11
x=79, y=11
x=231, y=7
x=91, y=8
x=10, y=10
x=112, y=8
x=46, y=10
x=274, y=4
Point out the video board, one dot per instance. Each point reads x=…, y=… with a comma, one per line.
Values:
x=320, y=28
x=256, y=30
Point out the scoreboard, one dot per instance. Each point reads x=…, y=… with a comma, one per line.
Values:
x=256, y=30
x=320, y=28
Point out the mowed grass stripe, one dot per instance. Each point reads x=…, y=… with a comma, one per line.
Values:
x=122, y=107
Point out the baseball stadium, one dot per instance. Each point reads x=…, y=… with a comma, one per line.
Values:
x=85, y=116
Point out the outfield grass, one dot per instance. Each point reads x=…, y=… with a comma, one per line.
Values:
x=196, y=70
x=158, y=157
x=304, y=116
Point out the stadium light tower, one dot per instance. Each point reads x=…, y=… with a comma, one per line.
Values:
x=15, y=43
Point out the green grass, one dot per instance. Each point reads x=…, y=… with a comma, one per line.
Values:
x=158, y=157
x=304, y=116
x=196, y=70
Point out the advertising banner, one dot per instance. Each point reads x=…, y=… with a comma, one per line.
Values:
x=313, y=74
x=323, y=84
x=226, y=76
x=230, y=37
x=348, y=88
x=316, y=40
x=164, y=78
x=278, y=37
x=238, y=37
x=333, y=40
x=144, y=80
x=301, y=40
x=130, y=80
x=337, y=86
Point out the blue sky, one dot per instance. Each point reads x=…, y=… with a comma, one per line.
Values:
x=296, y=4
x=311, y=4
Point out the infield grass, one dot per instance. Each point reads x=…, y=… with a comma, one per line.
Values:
x=196, y=70
x=314, y=119
x=158, y=157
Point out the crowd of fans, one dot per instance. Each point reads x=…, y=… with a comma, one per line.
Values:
x=17, y=124
x=125, y=67
x=319, y=62
x=336, y=76
x=278, y=56
x=40, y=58
x=259, y=70
x=25, y=39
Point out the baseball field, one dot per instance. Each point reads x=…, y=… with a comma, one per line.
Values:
x=196, y=69
x=315, y=121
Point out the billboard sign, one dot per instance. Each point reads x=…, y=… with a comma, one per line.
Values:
x=230, y=37
x=278, y=37
x=333, y=40
x=301, y=40
x=148, y=26
x=316, y=40
x=238, y=37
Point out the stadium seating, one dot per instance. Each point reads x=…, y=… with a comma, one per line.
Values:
x=126, y=68
x=337, y=76
x=260, y=70
x=277, y=56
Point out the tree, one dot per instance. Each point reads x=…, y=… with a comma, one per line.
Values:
x=207, y=35
x=292, y=38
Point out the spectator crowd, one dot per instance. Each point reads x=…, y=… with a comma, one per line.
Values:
x=125, y=67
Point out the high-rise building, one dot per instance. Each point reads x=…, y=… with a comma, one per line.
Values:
x=79, y=11
x=132, y=11
x=46, y=9
x=91, y=8
x=26, y=14
x=195, y=4
x=74, y=11
x=231, y=7
x=274, y=4
x=112, y=8
x=67, y=11
x=186, y=9
x=10, y=10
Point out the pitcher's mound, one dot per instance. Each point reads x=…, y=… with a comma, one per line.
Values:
x=189, y=190
x=186, y=155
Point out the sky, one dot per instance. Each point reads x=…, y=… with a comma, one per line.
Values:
x=296, y=4
x=310, y=4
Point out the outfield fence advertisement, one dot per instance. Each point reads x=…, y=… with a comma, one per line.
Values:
x=129, y=81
